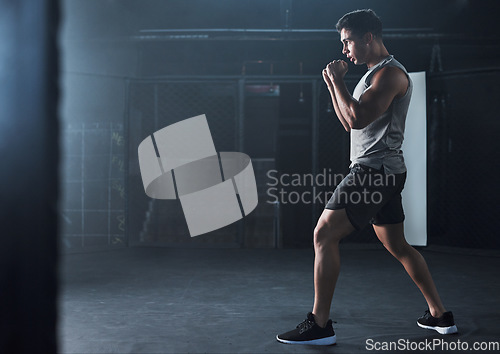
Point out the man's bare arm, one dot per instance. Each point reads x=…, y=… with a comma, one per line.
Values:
x=334, y=101
x=386, y=84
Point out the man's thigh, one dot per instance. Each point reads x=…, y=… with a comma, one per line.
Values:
x=335, y=222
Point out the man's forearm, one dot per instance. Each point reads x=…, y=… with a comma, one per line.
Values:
x=338, y=112
x=345, y=102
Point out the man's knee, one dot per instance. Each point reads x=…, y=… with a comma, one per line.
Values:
x=333, y=225
x=326, y=234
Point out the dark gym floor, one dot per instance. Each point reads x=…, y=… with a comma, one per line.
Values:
x=168, y=300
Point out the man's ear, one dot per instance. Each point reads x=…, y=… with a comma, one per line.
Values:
x=368, y=37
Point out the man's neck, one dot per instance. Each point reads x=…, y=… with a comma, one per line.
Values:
x=379, y=52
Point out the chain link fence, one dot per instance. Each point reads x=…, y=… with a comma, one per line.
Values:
x=154, y=105
x=93, y=186
x=463, y=159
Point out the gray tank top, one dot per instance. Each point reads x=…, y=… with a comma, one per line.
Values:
x=379, y=144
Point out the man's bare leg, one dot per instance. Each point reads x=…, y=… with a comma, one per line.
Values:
x=332, y=226
x=392, y=237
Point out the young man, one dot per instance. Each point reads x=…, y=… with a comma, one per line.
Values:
x=371, y=193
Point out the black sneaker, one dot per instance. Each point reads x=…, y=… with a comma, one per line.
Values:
x=443, y=325
x=308, y=332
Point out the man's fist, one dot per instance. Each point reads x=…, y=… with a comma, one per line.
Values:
x=337, y=69
x=327, y=79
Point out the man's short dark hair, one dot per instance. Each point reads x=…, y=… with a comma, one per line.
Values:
x=360, y=22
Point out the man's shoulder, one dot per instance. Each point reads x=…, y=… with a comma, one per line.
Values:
x=391, y=76
x=390, y=71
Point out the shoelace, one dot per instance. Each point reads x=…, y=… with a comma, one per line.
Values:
x=305, y=325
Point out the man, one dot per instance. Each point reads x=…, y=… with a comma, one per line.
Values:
x=371, y=193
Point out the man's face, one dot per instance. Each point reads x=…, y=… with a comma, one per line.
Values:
x=354, y=47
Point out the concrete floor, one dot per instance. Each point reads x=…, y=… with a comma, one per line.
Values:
x=167, y=300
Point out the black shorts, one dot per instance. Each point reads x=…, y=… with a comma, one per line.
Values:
x=370, y=196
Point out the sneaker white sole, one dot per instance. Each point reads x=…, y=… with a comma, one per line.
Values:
x=441, y=330
x=322, y=341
